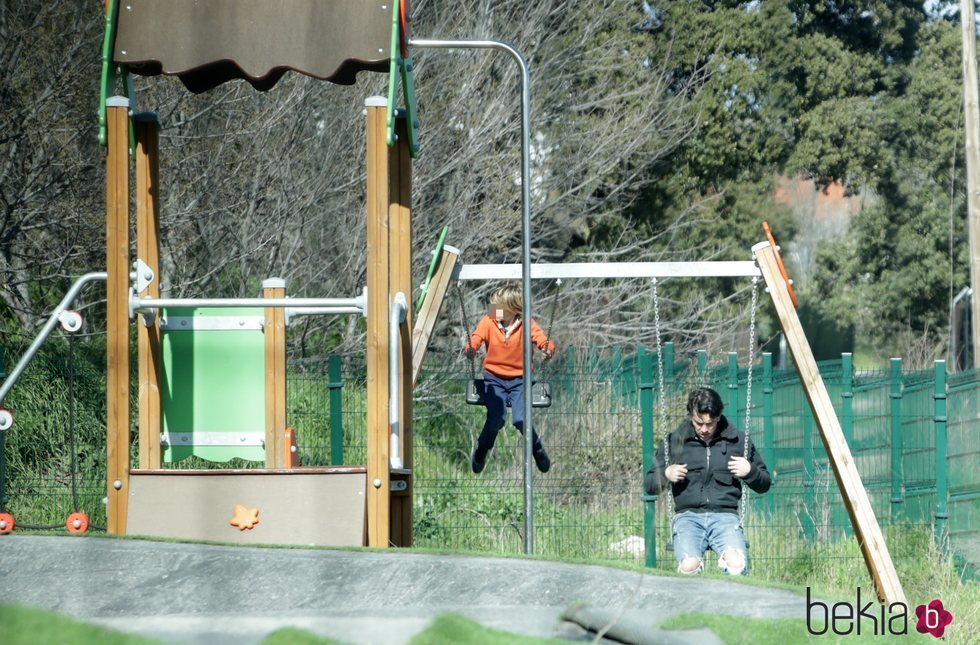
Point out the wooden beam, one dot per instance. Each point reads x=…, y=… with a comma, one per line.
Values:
x=400, y=246
x=378, y=272
x=849, y=482
x=117, y=314
x=275, y=375
x=148, y=250
x=429, y=314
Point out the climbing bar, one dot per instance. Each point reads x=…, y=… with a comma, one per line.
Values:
x=323, y=305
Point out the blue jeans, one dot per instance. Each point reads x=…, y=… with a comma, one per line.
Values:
x=695, y=532
x=498, y=393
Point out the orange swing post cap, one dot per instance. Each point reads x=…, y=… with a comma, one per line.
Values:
x=779, y=263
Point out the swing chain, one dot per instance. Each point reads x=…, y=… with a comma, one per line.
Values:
x=748, y=396
x=663, y=403
x=551, y=319
x=466, y=329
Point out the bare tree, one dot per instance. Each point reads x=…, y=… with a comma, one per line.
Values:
x=261, y=184
x=51, y=208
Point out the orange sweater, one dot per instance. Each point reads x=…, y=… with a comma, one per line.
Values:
x=505, y=358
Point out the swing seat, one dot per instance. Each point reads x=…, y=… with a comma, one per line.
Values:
x=540, y=393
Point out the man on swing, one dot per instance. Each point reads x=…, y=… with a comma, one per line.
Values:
x=707, y=460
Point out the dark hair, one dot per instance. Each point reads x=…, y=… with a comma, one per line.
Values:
x=704, y=400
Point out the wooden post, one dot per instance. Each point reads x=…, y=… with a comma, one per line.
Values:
x=378, y=273
x=429, y=314
x=117, y=314
x=148, y=250
x=849, y=482
x=275, y=375
x=971, y=115
x=400, y=247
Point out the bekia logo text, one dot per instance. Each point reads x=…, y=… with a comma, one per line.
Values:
x=843, y=618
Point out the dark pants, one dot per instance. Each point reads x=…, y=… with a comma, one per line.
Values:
x=498, y=393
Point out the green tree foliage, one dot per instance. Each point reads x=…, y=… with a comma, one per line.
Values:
x=905, y=256
x=865, y=93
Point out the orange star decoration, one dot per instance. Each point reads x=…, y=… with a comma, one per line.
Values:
x=245, y=518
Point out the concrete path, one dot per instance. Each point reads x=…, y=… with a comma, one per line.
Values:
x=197, y=594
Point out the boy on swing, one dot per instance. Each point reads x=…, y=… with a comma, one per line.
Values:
x=501, y=330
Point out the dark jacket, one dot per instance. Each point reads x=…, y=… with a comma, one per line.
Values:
x=709, y=486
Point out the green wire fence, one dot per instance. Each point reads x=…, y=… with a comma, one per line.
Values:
x=912, y=435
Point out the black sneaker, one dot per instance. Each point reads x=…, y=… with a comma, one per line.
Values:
x=478, y=461
x=541, y=459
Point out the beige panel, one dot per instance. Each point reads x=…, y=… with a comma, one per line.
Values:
x=295, y=508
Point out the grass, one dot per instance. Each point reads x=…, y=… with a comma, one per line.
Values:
x=21, y=625
x=453, y=628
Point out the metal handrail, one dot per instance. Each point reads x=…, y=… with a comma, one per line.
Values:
x=49, y=326
x=396, y=318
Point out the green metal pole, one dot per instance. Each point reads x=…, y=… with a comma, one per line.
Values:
x=647, y=386
x=847, y=398
x=731, y=405
x=809, y=474
x=336, y=385
x=570, y=387
x=768, y=425
x=942, y=476
x=897, y=498
x=847, y=425
x=702, y=365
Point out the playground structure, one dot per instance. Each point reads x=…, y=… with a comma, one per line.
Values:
x=370, y=505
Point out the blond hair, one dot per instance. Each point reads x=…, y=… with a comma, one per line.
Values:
x=509, y=297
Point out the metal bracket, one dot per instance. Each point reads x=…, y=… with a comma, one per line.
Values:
x=398, y=485
x=143, y=275
x=211, y=323
x=147, y=315
x=171, y=439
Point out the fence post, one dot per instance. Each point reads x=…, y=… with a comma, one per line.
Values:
x=569, y=383
x=942, y=478
x=702, y=365
x=847, y=397
x=731, y=405
x=897, y=448
x=809, y=478
x=646, y=417
x=336, y=385
x=768, y=427
x=847, y=427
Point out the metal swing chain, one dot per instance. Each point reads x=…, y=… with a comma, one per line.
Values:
x=551, y=319
x=466, y=329
x=663, y=403
x=748, y=397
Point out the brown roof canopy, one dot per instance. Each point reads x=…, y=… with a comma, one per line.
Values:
x=208, y=42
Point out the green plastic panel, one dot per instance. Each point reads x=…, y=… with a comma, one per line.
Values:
x=213, y=381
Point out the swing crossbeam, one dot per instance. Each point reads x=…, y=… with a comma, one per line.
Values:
x=572, y=270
